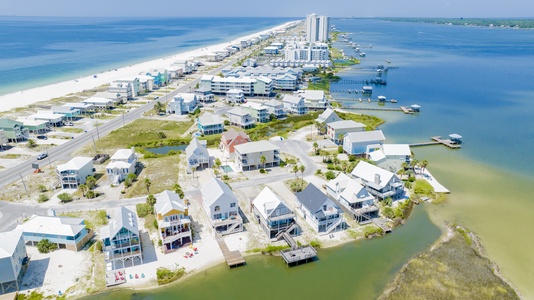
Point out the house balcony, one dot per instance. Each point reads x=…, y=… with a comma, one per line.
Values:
x=111, y=256
x=171, y=236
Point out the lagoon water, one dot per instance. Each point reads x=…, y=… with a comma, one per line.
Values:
x=469, y=80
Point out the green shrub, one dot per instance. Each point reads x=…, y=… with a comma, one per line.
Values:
x=90, y=194
x=165, y=275
x=262, y=171
x=318, y=172
x=388, y=212
x=42, y=198
x=42, y=188
x=98, y=246
x=65, y=197
x=45, y=246
x=143, y=209
x=330, y=175
x=315, y=244
x=339, y=149
x=372, y=230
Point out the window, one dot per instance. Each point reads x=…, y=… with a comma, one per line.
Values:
x=217, y=208
x=217, y=216
x=232, y=204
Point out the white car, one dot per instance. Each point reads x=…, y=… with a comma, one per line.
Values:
x=69, y=124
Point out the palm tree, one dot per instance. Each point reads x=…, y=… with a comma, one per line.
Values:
x=315, y=146
x=263, y=159
x=415, y=163
x=302, y=168
x=148, y=183
x=158, y=107
x=83, y=188
x=151, y=200
x=424, y=164
x=295, y=170
x=340, y=138
x=31, y=143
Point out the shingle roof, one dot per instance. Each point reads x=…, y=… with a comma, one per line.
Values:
x=167, y=201
x=367, y=172
x=209, y=119
x=75, y=163
x=213, y=190
x=312, y=198
x=346, y=124
x=266, y=202
x=366, y=136
x=121, y=217
x=254, y=147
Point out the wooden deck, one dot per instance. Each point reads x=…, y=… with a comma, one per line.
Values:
x=297, y=254
x=233, y=258
x=436, y=140
x=407, y=110
x=382, y=224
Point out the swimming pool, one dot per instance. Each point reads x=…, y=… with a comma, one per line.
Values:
x=227, y=169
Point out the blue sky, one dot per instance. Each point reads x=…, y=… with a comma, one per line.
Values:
x=269, y=8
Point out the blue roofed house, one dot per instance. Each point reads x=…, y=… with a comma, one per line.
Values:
x=359, y=143
x=70, y=113
x=320, y=211
x=197, y=155
x=221, y=206
x=273, y=215
x=210, y=124
x=121, y=240
x=13, y=257
x=379, y=182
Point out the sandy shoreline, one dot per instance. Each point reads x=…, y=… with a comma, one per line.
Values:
x=44, y=93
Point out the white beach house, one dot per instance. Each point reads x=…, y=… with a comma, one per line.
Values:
x=123, y=162
x=273, y=215
x=197, y=155
x=74, y=172
x=13, y=256
x=249, y=156
x=321, y=213
x=379, y=182
x=358, y=143
x=221, y=206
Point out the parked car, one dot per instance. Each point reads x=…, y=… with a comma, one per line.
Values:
x=42, y=137
x=41, y=156
x=69, y=124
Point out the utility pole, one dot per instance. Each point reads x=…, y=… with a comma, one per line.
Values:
x=49, y=163
x=23, y=183
x=94, y=144
x=97, y=133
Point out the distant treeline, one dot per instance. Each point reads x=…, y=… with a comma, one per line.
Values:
x=513, y=23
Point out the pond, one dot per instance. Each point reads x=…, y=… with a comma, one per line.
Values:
x=166, y=149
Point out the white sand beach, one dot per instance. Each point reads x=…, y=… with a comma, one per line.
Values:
x=44, y=93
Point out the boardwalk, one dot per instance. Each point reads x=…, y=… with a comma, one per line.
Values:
x=233, y=258
x=438, y=141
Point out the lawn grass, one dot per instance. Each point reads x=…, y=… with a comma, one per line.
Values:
x=11, y=156
x=93, y=219
x=422, y=187
x=162, y=172
x=70, y=130
x=371, y=122
x=454, y=269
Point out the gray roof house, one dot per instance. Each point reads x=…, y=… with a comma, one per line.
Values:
x=328, y=116
x=338, y=129
x=197, y=155
x=221, y=206
x=379, y=182
x=273, y=215
x=320, y=211
x=12, y=258
x=358, y=143
x=351, y=193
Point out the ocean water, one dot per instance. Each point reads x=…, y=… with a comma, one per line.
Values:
x=39, y=51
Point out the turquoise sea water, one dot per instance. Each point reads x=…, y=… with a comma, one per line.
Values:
x=36, y=51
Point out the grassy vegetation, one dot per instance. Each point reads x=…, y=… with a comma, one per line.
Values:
x=281, y=127
x=34, y=295
x=11, y=156
x=94, y=219
x=296, y=185
x=70, y=130
x=371, y=122
x=167, y=276
x=422, y=187
x=372, y=230
x=454, y=269
x=141, y=133
x=162, y=172
x=270, y=249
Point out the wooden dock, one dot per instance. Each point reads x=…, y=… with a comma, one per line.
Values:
x=406, y=110
x=233, y=258
x=437, y=140
x=382, y=224
x=296, y=254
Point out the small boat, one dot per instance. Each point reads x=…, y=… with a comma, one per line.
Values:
x=393, y=101
x=360, y=99
x=368, y=100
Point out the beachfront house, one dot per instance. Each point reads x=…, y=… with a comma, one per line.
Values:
x=230, y=139
x=183, y=103
x=132, y=84
x=359, y=143
x=336, y=131
x=321, y=213
x=204, y=94
x=391, y=156
x=328, y=116
x=238, y=116
x=100, y=103
x=197, y=155
x=74, y=172
x=14, y=130
x=350, y=193
x=52, y=119
x=221, y=206
x=174, y=224
x=379, y=182
x=249, y=156
x=146, y=84
x=273, y=215
x=235, y=96
x=69, y=113
x=3, y=139
x=210, y=124
x=121, y=240
x=34, y=126
x=66, y=232
x=121, y=90
x=13, y=257
x=84, y=108
x=186, y=66
x=123, y=162
x=314, y=99
x=294, y=105
x=275, y=107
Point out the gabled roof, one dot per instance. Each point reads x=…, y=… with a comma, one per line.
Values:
x=254, y=147
x=266, y=202
x=215, y=189
x=365, y=136
x=167, y=201
x=65, y=226
x=264, y=79
x=188, y=97
x=232, y=134
x=328, y=115
x=194, y=145
x=9, y=242
x=76, y=163
x=238, y=111
x=396, y=149
x=353, y=189
x=342, y=180
x=368, y=172
x=254, y=105
x=292, y=99
x=313, y=94
x=121, y=217
x=273, y=103
x=8, y=123
x=345, y=124
x=312, y=198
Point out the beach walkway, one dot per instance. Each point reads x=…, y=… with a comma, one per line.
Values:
x=233, y=258
x=426, y=175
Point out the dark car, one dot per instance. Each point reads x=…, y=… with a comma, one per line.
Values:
x=42, y=137
x=41, y=156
